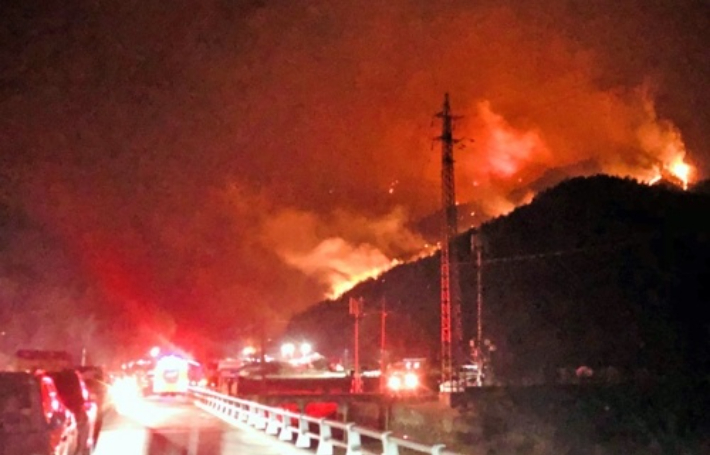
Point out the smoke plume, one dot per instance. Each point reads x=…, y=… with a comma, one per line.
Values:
x=221, y=161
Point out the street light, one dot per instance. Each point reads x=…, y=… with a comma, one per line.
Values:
x=154, y=351
x=287, y=350
x=305, y=349
x=248, y=351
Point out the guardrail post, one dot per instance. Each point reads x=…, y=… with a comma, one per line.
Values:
x=260, y=422
x=354, y=443
x=286, y=429
x=325, y=439
x=244, y=412
x=283, y=423
x=389, y=447
x=251, y=420
x=273, y=426
x=303, y=441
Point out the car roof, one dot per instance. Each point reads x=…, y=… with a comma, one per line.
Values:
x=11, y=379
x=9, y=375
x=16, y=384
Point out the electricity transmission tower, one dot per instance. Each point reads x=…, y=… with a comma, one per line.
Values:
x=451, y=331
x=356, y=310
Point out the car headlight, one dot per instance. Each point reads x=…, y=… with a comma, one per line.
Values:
x=411, y=381
x=394, y=383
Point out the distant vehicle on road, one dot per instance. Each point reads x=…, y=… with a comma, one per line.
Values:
x=141, y=371
x=171, y=376
x=406, y=376
x=33, y=418
x=74, y=393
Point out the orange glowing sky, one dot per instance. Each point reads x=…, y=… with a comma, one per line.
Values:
x=242, y=159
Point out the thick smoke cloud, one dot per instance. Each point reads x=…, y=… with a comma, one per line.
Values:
x=318, y=246
x=224, y=162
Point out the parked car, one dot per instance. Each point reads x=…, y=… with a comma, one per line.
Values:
x=75, y=395
x=95, y=381
x=33, y=419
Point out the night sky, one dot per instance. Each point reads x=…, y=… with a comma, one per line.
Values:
x=223, y=161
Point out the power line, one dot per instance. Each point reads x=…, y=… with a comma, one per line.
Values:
x=569, y=251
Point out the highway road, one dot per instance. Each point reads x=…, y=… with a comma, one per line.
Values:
x=173, y=426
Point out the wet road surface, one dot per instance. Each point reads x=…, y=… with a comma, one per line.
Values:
x=174, y=426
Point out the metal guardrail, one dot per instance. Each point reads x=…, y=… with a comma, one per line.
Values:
x=285, y=425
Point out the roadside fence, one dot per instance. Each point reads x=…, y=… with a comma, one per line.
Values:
x=304, y=430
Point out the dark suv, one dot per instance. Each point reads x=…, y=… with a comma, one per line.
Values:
x=75, y=395
x=33, y=419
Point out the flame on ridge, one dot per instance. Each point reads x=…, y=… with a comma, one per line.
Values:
x=677, y=171
x=342, y=283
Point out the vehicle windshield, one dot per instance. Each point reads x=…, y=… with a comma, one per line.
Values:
x=69, y=388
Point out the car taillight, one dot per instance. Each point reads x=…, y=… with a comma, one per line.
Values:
x=55, y=403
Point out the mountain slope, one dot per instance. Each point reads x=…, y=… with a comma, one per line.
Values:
x=596, y=271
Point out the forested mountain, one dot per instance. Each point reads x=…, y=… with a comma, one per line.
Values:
x=597, y=271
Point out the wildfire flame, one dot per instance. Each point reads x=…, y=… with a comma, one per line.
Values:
x=343, y=283
x=662, y=139
x=677, y=171
x=358, y=249
x=682, y=171
x=511, y=150
x=516, y=159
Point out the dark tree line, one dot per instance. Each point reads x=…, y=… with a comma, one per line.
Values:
x=598, y=271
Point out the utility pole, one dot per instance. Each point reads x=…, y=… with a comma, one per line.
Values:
x=383, y=334
x=451, y=331
x=477, y=247
x=262, y=354
x=356, y=307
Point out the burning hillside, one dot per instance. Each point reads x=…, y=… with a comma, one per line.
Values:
x=502, y=157
x=590, y=271
x=677, y=173
x=127, y=127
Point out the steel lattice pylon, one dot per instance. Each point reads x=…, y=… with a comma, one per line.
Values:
x=451, y=331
